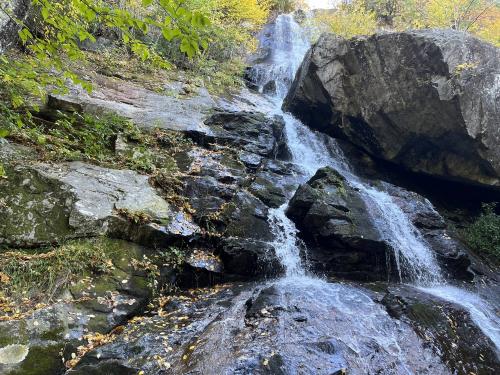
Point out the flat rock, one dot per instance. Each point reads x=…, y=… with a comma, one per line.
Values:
x=144, y=107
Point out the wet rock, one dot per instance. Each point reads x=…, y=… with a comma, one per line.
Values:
x=253, y=342
x=275, y=183
x=247, y=218
x=448, y=329
x=344, y=241
x=451, y=253
x=333, y=220
x=249, y=258
x=270, y=88
x=250, y=160
x=267, y=301
x=411, y=98
x=252, y=132
x=268, y=193
x=109, y=367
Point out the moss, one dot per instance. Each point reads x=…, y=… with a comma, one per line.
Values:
x=14, y=333
x=23, y=211
x=55, y=334
x=99, y=324
x=41, y=361
x=326, y=177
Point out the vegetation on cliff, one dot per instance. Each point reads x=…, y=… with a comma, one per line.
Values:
x=483, y=235
x=365, y=17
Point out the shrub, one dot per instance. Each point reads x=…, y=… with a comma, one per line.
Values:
x=348, y=20
x=483, y=235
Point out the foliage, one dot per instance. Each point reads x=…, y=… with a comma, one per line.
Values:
x=230, y=36
x=464, y=15
x=95, y=138
x=348, y=20
x=76, y=136
x=173, y=256
x=58, y=31
x=364, y=17
x=285, y=6
x=484, y=234
x=35, y=274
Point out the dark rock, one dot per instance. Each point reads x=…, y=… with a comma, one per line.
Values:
x=247, y=218
x=344, y=241
x=425, y=100
x=447, y=327
x=18, y=9
x=266, y=301
x=251, y=131
x=451, y=253
x=249, y=258
x=333, y=220
x=270, y=88
x=104, y=368
x=250, y=160
x=270, y=194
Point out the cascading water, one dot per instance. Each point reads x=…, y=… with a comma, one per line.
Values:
x=311, y=151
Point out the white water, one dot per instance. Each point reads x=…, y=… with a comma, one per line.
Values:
x=311, y=151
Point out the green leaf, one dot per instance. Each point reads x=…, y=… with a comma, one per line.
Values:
x=45, y=13
x=147, y=3
x=4, y=133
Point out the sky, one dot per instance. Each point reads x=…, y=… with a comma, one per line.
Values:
x=313, y=4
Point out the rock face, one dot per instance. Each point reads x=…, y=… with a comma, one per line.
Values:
x=144, y=107
x=447, y=327
x=91, y=305
x=250, y=321
x=343, y=240
x=426, y=100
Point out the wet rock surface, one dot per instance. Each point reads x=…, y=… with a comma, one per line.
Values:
x=446, y=327
x=265, y=329
x=425, y=100
x=333, y=220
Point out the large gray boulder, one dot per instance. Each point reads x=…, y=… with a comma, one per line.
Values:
x=43, y=204
x=426, y=100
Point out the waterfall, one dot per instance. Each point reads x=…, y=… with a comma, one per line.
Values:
x=311, y=151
